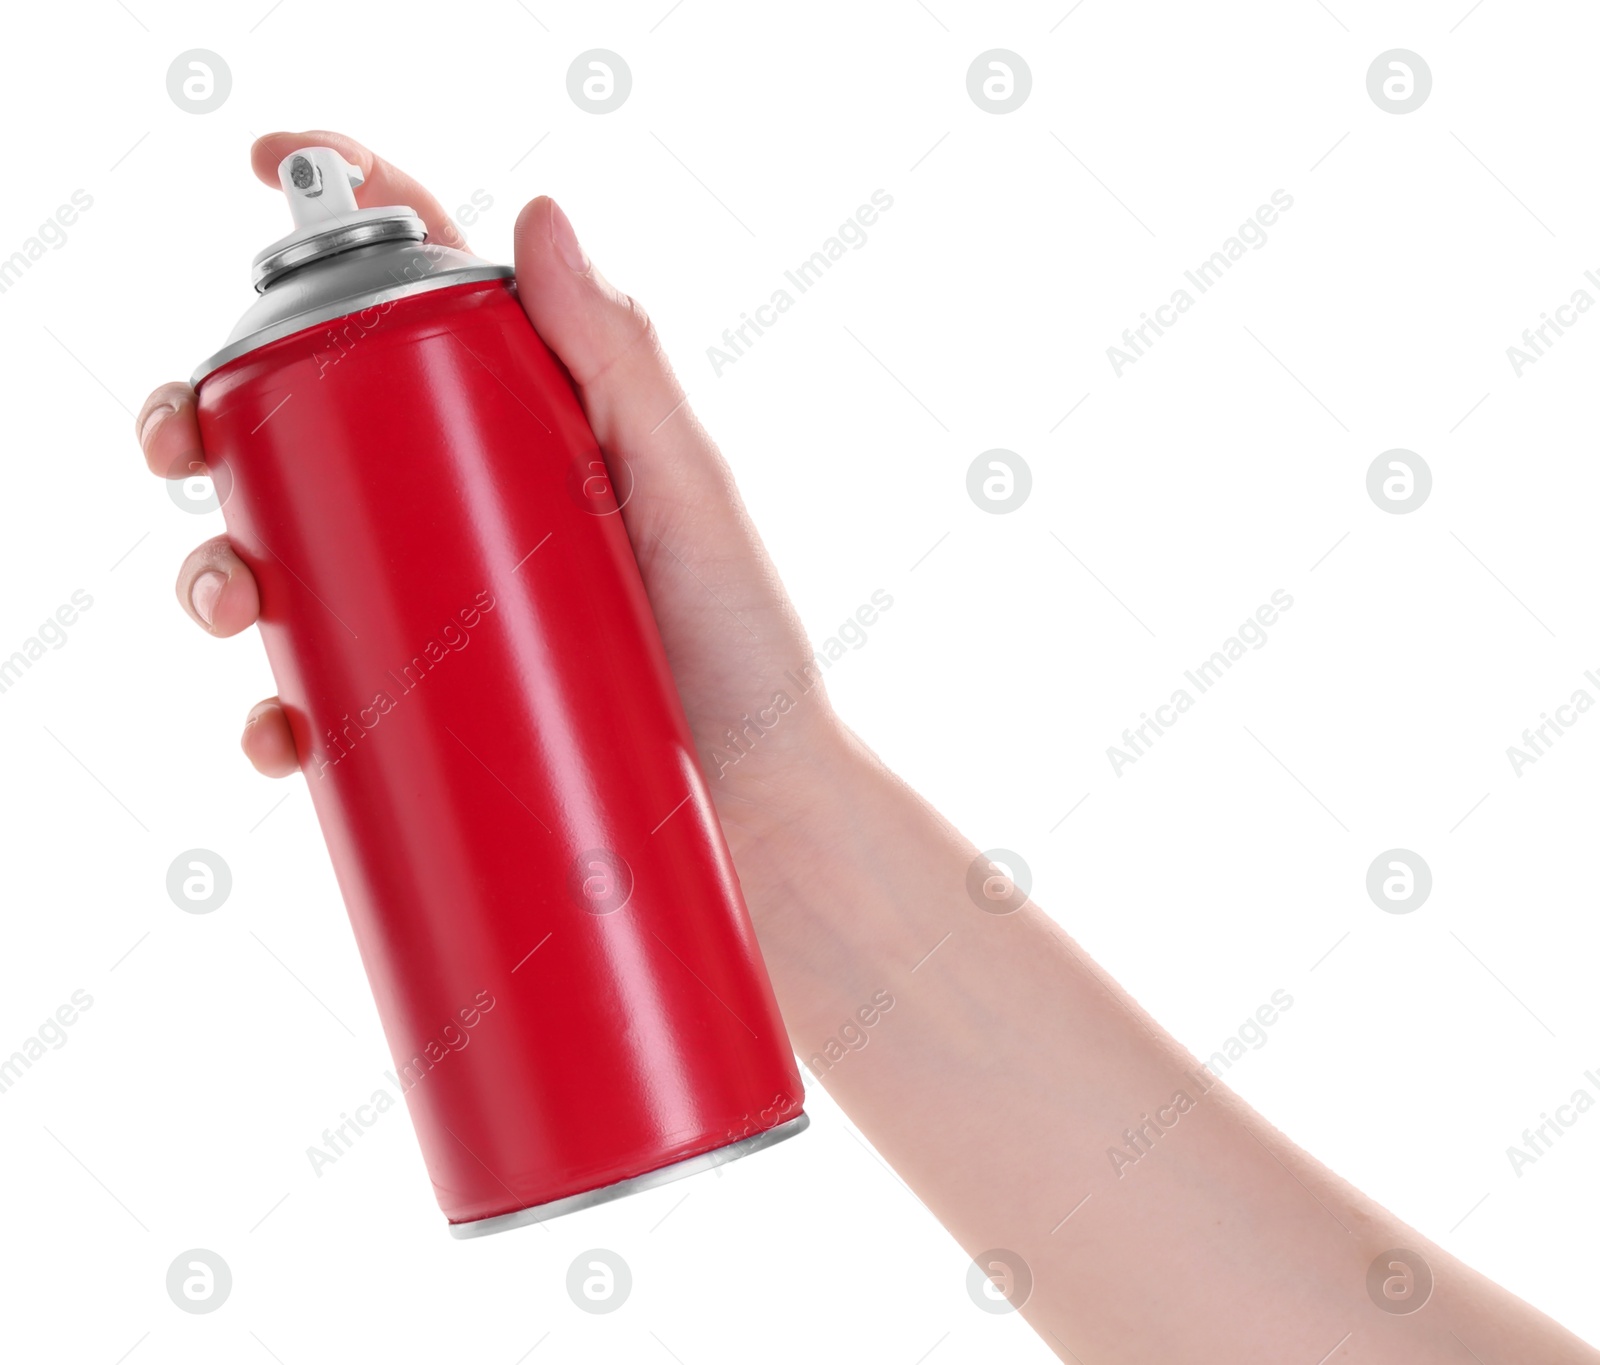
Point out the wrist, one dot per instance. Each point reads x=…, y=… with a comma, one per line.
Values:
x=850, y=878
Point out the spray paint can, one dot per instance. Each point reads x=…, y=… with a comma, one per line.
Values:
x=541, y=893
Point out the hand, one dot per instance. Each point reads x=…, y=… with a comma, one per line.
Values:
x=729, y=629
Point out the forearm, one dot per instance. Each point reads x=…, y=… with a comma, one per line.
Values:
x=1009, y=1066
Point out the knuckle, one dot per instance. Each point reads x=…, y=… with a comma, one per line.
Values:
x=641, y=330
x=209, y=554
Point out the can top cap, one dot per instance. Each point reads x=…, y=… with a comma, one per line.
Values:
x=320, y=187
x=339, y=258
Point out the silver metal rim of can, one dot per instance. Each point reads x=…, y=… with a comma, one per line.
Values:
x=706, y=1161
x=401, y=225
x=343, y=308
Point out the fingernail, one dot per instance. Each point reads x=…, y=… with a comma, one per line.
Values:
x=566, y=240
x=205, y=591
x=156, y=414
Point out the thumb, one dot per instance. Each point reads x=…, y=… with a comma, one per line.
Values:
x=634, y=402
x=699, y=553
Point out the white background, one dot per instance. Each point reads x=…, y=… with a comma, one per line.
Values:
x=1229, y=462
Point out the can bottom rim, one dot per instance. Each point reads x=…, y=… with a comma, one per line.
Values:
x=665, y=1175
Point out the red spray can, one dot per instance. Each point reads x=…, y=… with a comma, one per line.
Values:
x=542, y=896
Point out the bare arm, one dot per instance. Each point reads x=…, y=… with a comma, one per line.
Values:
x=1008, y=1070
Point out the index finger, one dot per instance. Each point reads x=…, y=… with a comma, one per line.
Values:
x=384, y=184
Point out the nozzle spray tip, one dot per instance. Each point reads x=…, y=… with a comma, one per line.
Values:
x=319, y=184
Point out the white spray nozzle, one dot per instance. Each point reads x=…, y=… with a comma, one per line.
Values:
x=320, y=186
